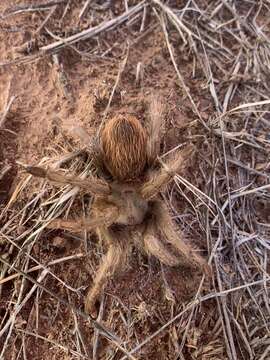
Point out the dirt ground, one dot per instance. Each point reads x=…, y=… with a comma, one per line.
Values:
x=55, y=92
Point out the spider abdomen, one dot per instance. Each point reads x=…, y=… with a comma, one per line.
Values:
x=123, y=142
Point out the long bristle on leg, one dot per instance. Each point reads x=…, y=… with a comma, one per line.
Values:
x=114, y=260
x=153, y=245
x=166, y=227
x=155, y=127
x=107, y=218
x=176, y=163
x=92, y=185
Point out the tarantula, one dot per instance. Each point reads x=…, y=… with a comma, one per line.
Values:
x=126, y=197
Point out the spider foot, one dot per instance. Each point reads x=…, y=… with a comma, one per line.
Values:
x=55, y=224
x=36, y=171
x=90, y=307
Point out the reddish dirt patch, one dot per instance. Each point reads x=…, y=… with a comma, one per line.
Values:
x=50, y=99
x=42, y=118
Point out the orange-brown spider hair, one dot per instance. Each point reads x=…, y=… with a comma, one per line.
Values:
x=123, y=141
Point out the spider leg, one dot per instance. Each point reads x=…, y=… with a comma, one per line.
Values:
x=80, y=133
x=154, y=246
x=185, y=252
x=165, y=174
x=155, y=127
x=108, y=216
x=93, y=185
x=114, y=260
x=90, y=143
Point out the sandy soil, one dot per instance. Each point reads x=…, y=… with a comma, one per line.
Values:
x=50, y=100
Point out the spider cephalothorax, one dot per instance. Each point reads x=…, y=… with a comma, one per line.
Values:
x=129, y=200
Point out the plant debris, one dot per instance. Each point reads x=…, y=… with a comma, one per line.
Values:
x=78, y=63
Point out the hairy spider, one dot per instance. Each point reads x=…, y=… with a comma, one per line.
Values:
x=127, y=202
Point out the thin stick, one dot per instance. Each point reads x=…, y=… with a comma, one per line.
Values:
x=120, y=71
x=32, y=7
x=178, y=72
x=247, y=105
x=84, y=9
x=53, y=342
x=19, y=306
x=103, y=330
x=189, y=307
x=248, y=168
x=4, y=171
x=175, y=20
x=36, y=261
x=86, y=34
x=37, y=32
x=4, y=115
x=83, y=35
x=38, y=267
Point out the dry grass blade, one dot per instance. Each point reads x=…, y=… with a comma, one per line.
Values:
x=54, y=343
x=182, y=82
x=32, y=7
x=209, y=62
x=190, y=306
x=5, y=112
x=40, y=266
x=247, y=105
x=84, y=8
x=120, y=71
x=175, y=20
x=103, y=330
x=83, y=35
x=4, y=171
